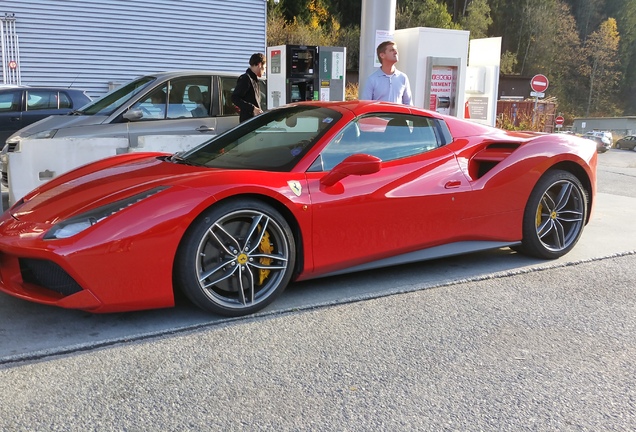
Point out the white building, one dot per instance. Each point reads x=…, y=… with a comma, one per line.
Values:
x=96, y=45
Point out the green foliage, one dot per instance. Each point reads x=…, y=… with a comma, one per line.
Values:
x=423, y=13
x=522, y=122
x=567, y=40
x=477, y=19
x=602, y=69
x=625, y=13
x=319, y=28
x=508, y=63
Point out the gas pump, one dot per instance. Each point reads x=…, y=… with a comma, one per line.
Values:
x=298, y=73
x=435, y=62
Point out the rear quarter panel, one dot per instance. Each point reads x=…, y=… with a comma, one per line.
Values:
x=500, y=195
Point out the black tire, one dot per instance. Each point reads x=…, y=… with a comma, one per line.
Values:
x=554, y=216
x=236, y=258
x=618, y=146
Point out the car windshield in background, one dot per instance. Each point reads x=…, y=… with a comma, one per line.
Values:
x=113, y=100
x=274, y=141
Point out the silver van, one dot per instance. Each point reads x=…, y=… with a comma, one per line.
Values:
x=189, y=102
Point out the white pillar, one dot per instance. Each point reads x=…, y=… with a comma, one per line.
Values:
x=376, y=15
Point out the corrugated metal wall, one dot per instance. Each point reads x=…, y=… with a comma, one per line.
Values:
x=89, y=43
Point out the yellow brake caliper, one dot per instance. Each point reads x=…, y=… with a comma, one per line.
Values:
x=539, y=210
x=266, y=248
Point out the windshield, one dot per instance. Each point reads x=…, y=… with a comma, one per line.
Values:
x=274, y=141
x=116, y=98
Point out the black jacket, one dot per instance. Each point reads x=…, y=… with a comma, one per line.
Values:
x=247, y=95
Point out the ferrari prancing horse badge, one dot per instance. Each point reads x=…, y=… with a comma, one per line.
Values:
x=295, y=187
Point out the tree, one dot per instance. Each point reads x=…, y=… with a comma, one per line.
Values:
x=625, y=13
x=477, y=19
x=347, y=12
x=507, y=22
x=423, y=13
x=563, y=55
x=588, y=15
x=319, y=28
x=602, y=69
x=508, y=63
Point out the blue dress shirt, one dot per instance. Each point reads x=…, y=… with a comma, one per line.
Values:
x=391, y=88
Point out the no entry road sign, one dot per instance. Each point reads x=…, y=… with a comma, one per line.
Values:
x=539, y=83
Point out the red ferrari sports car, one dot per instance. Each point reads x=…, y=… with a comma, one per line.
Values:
x=302, y=191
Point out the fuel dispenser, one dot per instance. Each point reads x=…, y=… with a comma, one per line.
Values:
x=298, y=73
x=435, y=61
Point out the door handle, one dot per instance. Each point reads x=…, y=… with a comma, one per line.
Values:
x=453, y=184
x=204, y=129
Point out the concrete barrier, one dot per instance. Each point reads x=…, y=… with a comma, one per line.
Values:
x=168, y=143
x=40, y=160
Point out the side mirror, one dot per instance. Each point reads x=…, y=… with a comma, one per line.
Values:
x=356, y=164
x=133, y=114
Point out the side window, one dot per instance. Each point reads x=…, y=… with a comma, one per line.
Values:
x=65, y=101
x=41, y=99
x=227, y=87
x=198, y=99
x=10, y=101
x=189, y=97
x=387, y=136
x=153, y=106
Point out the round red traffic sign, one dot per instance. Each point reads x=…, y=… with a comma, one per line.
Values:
x=13, y=64
x=559, y=120
x=539, y=83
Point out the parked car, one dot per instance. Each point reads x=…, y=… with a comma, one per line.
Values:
x=628, y=142
x=600, y=134
x=602, y=143
x=169, y=103
x=21, y=106
x=302, y=191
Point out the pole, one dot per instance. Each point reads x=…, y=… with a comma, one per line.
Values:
x=376, y=15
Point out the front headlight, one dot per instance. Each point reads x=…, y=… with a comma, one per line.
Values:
x=42, y=135
x=76, y=225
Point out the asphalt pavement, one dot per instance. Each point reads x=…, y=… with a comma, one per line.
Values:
x=486, y=341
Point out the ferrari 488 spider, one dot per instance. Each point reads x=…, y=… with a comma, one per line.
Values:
x=305, y=190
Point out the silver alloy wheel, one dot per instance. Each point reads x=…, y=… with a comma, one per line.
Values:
x=242, y=259
x=560, y=215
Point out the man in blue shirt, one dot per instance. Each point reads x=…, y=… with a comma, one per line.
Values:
x=388, y=83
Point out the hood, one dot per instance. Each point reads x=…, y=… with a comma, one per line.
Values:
x=98, y=184
x=59, y=122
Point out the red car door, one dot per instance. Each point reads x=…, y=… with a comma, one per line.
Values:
x=413, y=202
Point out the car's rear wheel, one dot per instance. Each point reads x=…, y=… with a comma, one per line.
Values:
x=236, y=258
x=554, y=216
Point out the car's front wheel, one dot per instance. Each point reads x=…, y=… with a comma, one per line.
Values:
x=236, y=258
x=554, y=216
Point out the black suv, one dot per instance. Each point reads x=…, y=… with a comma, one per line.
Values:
x=20, y=106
